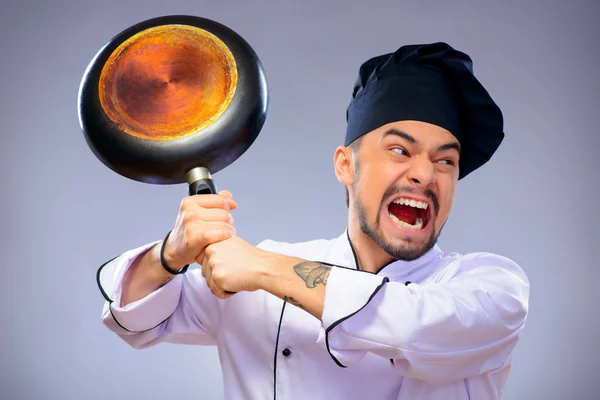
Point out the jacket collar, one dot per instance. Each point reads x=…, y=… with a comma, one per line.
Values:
x=343, y=254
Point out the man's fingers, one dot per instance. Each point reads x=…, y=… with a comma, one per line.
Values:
x=225, y=193
x=223, y=295
x=217, y=291
x=212, y=228
x=213, y=287
x=215, y=214
x=206, y=216
x=203, y=269
x=210, y=237
x=207, y=274
x=206, y=271
x=229, y=197
x=208, y=201
x=216, y=235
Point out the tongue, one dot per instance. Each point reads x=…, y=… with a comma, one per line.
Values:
x=404, y=213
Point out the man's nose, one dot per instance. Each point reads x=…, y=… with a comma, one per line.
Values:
x=421, y=172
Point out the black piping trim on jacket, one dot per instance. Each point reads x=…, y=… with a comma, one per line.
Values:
x=279, y=330
x=385, y=265
x=110, y=301
x=276, y=350
x=339, y=321
x=98, y=280
x=356, y=258
x=353, y=252
x=405, y=284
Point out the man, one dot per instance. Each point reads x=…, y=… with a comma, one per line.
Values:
x=381, y=312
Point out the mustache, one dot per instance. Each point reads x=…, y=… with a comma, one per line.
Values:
x=395, y=190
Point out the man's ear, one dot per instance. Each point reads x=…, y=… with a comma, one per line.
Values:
x=342, y=161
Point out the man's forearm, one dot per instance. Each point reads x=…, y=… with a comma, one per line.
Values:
x=145, y=275
x=297, y=281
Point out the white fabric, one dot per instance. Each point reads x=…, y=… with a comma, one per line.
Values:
x=450, y=333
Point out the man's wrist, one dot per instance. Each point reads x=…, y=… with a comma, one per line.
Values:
x=271, y=274
x=158, y=271
x=145, y=275
x=171, y=262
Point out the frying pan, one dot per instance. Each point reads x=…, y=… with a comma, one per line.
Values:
x=173, y=99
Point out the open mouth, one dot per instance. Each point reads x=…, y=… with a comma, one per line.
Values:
x=410, y=213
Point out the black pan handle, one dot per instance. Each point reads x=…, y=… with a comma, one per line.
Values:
x=200, y=182
x=202, y=186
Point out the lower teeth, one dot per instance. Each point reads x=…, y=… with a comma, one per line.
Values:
x=417, y=226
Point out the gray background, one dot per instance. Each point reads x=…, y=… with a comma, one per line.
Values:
x=63, y=213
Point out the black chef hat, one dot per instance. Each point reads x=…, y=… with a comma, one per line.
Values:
x=432, y=83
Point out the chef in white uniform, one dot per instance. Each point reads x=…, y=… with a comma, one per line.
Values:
x=380, y=312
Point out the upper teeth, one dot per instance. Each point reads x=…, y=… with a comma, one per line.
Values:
x=411, y=203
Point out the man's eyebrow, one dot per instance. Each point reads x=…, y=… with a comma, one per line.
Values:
x=448, y=146
x=404, y=135
x=411, y=139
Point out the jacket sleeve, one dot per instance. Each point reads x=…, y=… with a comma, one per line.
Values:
x=435, y=332
x=181, y=311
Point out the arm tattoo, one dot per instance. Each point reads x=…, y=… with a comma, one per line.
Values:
x=313, y=273
x=293, y=301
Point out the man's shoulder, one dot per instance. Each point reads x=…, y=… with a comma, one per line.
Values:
x=314, y=248
x=459, y=264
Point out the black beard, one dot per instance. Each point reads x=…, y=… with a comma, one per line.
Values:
x=402, y=252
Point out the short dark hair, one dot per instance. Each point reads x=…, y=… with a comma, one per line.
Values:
x=354, y=146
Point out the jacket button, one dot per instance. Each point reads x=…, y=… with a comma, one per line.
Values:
x=286, y=352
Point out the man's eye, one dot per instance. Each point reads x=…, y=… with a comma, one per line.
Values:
x=400, y=151
x=446, y=161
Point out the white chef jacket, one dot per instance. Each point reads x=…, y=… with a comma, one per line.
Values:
x=441, y=327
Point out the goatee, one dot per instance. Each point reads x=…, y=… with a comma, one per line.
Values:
x=403, y=252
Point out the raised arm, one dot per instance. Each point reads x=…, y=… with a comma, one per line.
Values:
x=145, y=303
x=201, y=220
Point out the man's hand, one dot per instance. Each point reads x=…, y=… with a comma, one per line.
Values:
x=233, y=265
x=202, y=220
